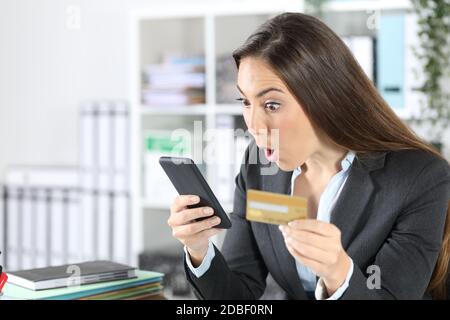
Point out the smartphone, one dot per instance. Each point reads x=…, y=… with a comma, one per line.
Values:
x=187, y=179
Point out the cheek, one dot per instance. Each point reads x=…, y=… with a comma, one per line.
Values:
x=291, y=129
x=296, y=133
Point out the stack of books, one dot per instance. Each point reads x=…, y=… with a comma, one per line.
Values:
x=226, y=71
x=177, y=81
x=95, y=280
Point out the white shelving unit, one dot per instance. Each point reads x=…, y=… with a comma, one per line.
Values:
x=392, y=23
x=210, y=29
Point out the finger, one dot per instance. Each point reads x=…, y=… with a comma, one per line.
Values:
x=191, y=229
x=313, y=225
x=188, y=215
x=315, y=266
x=309, y=238
x=205, y=234
x=182, y=201
x=309, y=251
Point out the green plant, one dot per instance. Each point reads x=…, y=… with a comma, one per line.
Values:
x=434, y=54
x=315, y=7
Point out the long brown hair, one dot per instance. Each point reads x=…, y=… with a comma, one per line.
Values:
x=336, y=95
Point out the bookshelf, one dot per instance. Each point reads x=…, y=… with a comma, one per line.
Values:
x=392, y=26
x=212, y=31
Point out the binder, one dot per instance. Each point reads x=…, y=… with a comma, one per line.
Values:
x=391, y=59
x=74, y=228
x=104, y=168
x=13, y=232
x=56, y=215
x=87, y=221
x=41, y=227
x=88, y=181
x=38, y=208
x=362, y=48
x=103, y=223
x=121, y=229
x=28, y=230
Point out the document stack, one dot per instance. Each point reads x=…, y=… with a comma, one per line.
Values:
x=177, y=81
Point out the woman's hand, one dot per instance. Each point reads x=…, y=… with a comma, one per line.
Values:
x=193, y=234
x=317, y=245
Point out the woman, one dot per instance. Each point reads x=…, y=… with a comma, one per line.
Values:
x=377, y=194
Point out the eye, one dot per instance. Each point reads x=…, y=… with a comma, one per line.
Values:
x=244, y=102
x=272, y=106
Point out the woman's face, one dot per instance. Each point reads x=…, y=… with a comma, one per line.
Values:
x=273, y=116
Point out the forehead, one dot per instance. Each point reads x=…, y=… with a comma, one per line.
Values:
x=254, y=74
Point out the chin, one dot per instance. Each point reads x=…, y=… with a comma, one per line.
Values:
x=285, y=166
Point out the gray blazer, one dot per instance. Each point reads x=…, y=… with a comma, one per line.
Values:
x=391, y=214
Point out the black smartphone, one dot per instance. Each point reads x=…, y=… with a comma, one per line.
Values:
x=187, y=179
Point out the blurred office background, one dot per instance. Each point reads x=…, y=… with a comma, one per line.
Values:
x=91, y=91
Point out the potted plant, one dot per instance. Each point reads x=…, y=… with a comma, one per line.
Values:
x=434, y=55
x=315, y=7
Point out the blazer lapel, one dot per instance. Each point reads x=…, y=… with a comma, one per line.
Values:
x=280, y=183
x=355, y=195
x=346, y=214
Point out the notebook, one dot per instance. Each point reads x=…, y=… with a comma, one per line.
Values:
x=66, y=275
x=127, y=293
x=76, y=292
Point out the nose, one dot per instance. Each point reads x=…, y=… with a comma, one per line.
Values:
x=255, y=122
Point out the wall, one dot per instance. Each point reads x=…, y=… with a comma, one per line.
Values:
x=47, y=69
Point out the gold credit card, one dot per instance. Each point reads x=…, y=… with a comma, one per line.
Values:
x=275, y=208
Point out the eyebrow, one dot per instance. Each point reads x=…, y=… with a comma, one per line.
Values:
x=262, y=92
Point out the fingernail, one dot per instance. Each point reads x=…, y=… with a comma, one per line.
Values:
x=216, y=220
x=194, y=199
x=208, y=210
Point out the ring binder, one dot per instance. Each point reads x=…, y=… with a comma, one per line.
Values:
x=55, y=215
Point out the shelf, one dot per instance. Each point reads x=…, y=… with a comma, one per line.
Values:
x=199, y=109
x=212, y=31
x=231, y=109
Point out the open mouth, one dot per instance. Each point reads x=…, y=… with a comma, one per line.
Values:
x=271, y=154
